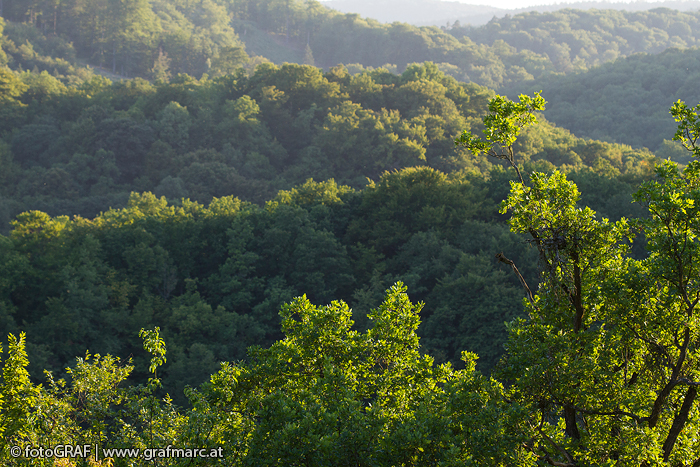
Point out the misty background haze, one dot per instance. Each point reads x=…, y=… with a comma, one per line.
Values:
x=442, y=13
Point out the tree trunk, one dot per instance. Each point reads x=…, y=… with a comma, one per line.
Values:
x=679, y=422
x=666, y=391
x=577, y=299
x=570, y=419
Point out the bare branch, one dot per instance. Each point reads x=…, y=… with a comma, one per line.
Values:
x=501, y=257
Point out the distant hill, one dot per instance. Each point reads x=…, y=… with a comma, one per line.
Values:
x=418, y=12
x=148, y=39
x=505, y=51
x=626, y=101
x=440, y=13
x=508, y=50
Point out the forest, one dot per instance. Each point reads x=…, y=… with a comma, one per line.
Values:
x=378, y=261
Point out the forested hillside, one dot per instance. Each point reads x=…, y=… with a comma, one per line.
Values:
x=330, y=394
x=138, y=38
x=552, y=51
x=625, y=101
x=506, y=50
x=78, y=151
x=262, y=241
x=578, y=39
x=164, y=38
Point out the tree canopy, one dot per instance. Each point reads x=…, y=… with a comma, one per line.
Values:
x=604, y=352
x=159, y=39
x=263, y=242
x=80, y=150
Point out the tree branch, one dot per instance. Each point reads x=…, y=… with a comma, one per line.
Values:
x=569, y=458
x=634, y=417
x=510, y=157
x=505, y=260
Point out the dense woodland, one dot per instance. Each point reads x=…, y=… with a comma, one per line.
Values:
x=163, y=38
x=217, y=142
x=267, y=223
x=561, y=52
x=624, y=101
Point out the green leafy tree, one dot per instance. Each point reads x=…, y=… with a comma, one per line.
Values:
x=503, y=124
x=17, y=396
x=326, y=394
x=11, y=88
x=604, y=360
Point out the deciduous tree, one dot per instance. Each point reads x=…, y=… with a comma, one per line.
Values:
x=606, y=360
